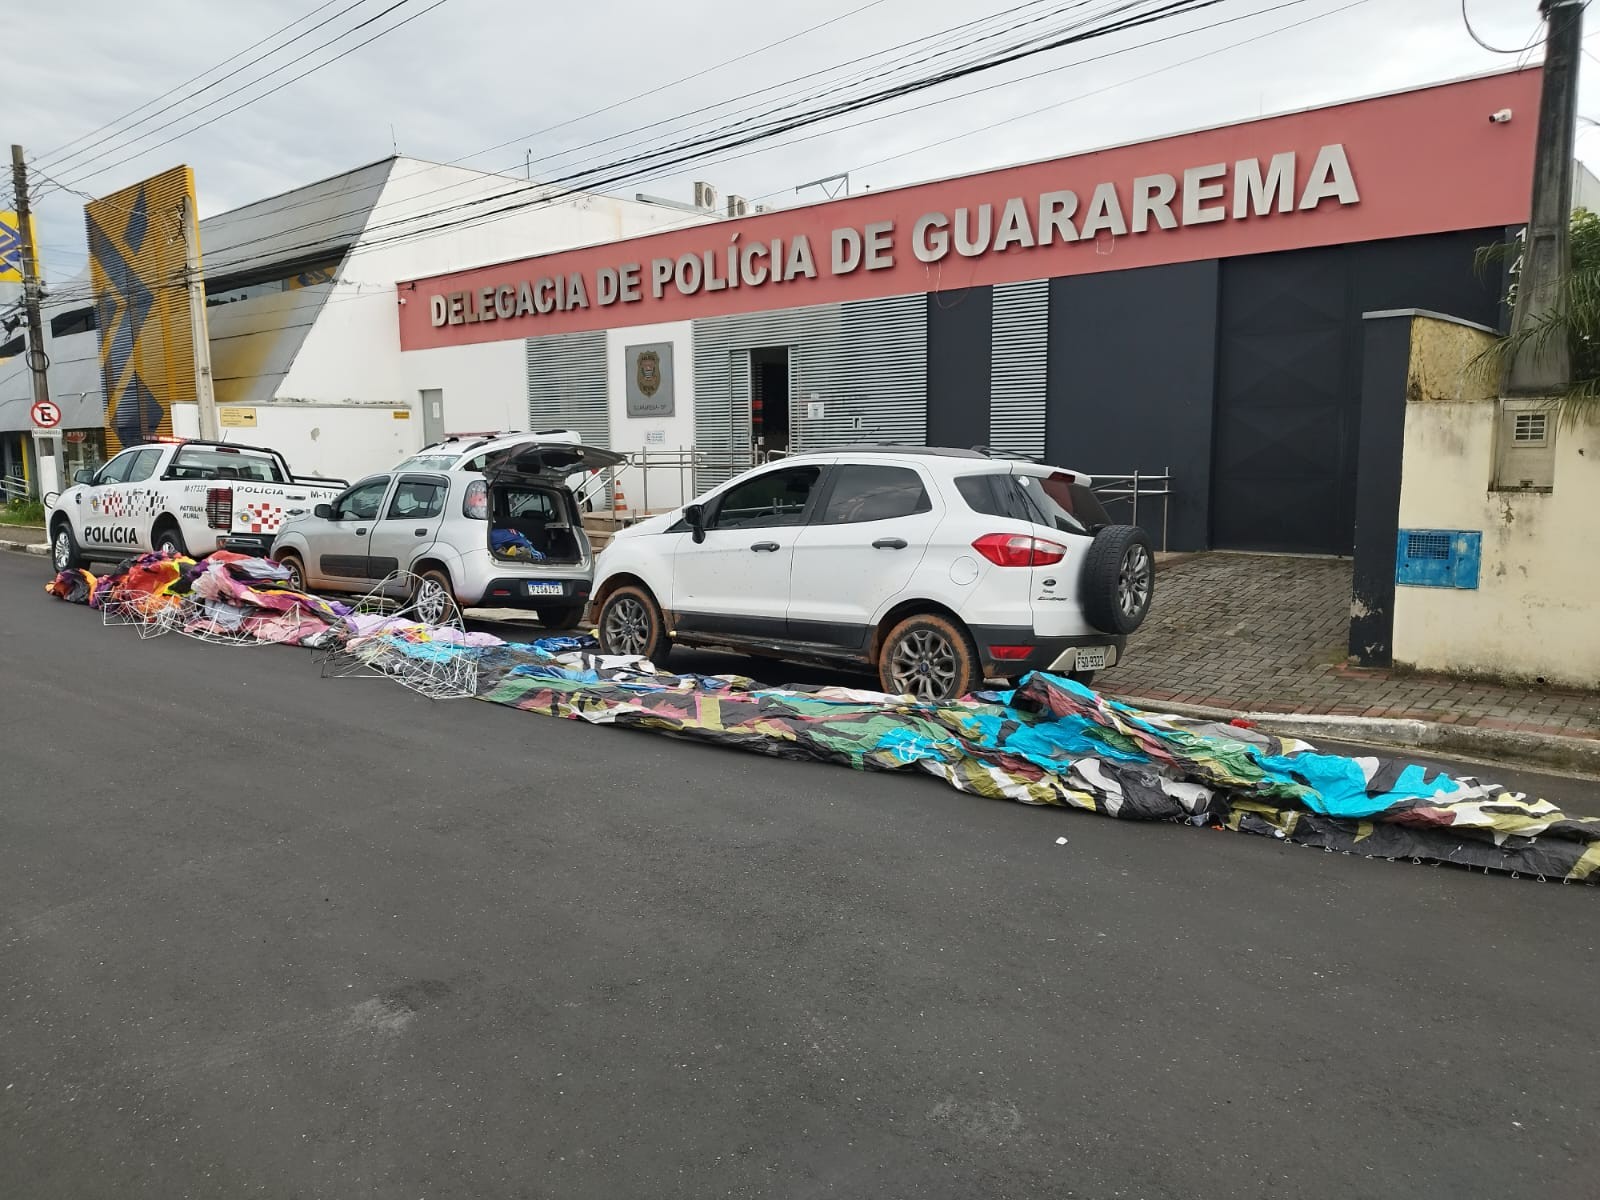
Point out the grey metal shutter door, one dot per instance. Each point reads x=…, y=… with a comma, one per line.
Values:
x=865, y=362
x=883, y=353
x=568, y=388
x=1017, y=367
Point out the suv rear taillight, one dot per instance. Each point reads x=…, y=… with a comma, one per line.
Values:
x=475, y=503
x=1019, y=550
x=219, y=508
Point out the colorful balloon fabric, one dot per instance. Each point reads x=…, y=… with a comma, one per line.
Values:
x=1053, y=741
x=1049, y=742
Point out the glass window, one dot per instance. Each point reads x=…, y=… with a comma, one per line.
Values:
x=416, y=500
x=86, y=454
x=431, y=462
x=1057, y=501
x=869, y=493
x=116, y=471
x=775, y=498
x=215, y=462
x=80, y=320
x=536, y=504
x=1061, y=503
x=361, y=502
x=143, y=466
x=993, y=496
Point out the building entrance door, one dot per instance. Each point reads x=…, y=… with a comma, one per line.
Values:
x=769, y=403
x=432, y=416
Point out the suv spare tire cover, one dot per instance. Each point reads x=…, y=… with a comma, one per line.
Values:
x=1101, y=585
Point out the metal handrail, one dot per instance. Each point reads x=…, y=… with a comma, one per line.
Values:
x=13, y=488
x=684, y=461
x=1132, y=487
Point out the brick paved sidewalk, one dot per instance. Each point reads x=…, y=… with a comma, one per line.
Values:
x=1259, y=633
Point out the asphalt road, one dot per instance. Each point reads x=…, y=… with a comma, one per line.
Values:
x=267, y=934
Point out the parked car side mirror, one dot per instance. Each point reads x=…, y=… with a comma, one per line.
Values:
x=323, y=511
x=695, y=515
x=83, y=475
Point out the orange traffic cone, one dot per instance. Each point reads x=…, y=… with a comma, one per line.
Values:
x=619, y=503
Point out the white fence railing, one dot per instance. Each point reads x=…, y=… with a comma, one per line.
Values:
x=650, y=481
x=1124, y=492
x=660, y=480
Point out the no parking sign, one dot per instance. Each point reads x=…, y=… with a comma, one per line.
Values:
x=46, y=414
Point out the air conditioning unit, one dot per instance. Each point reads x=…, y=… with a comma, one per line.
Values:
x=705, y=196
x=738, y=206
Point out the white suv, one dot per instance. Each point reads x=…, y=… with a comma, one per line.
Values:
x=938, y=568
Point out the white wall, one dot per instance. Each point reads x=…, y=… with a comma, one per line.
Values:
x=666, y=482
x=485, y=387
x=353, y=351
x=336, y=441
x=1534, y=613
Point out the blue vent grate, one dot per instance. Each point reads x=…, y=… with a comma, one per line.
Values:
x=1438, y=558
x=1427, y=545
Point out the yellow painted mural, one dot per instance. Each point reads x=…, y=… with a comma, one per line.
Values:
x=138, y=269
x=11, y=247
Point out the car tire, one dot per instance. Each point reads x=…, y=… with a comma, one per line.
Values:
x=929, y=658
x=631, y=623
x=1119, y=577
x=65, y=553
x=434, y=599
x=168, y=539
x=297, y=571
x=565, y=616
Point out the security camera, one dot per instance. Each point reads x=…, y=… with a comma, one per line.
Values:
x=1503, y=117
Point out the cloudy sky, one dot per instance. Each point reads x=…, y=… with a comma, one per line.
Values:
x=557, y=81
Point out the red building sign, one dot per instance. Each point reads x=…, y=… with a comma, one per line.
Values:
x=1414, y=163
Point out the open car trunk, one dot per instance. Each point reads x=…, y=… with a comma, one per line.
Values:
x=531, y=521
x=533, y=516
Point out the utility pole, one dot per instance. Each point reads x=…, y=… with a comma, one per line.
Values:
x=205, y=397
x=38, y=361
x=1546, y=371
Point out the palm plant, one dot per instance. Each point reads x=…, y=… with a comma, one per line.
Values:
x=1575, y=317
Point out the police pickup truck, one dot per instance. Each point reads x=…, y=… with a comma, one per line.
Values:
x=181, y=497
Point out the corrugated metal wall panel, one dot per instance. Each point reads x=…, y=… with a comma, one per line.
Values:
x=568, y=387
x=865, y=361
x=1017, y=367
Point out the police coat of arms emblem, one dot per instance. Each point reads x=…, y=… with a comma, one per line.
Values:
x=648, y=372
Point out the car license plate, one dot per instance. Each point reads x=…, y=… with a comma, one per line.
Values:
x=1092, y=660
x=546, y=589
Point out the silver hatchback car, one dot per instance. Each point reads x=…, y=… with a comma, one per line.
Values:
x=491, y=521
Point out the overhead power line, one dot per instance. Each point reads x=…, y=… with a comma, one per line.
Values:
x=977, y=91
x=52, y=154
x=882, y=65
x=1472, y=33
x=100, y=170
x=879, y=62
x=682, y=152
x=614, y=172
x=555, y=197
x=657, y=90
x=1139, y=78
x=945, y=141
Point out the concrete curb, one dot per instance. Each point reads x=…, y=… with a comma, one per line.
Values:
x=1468, y=741
x=36, y=548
